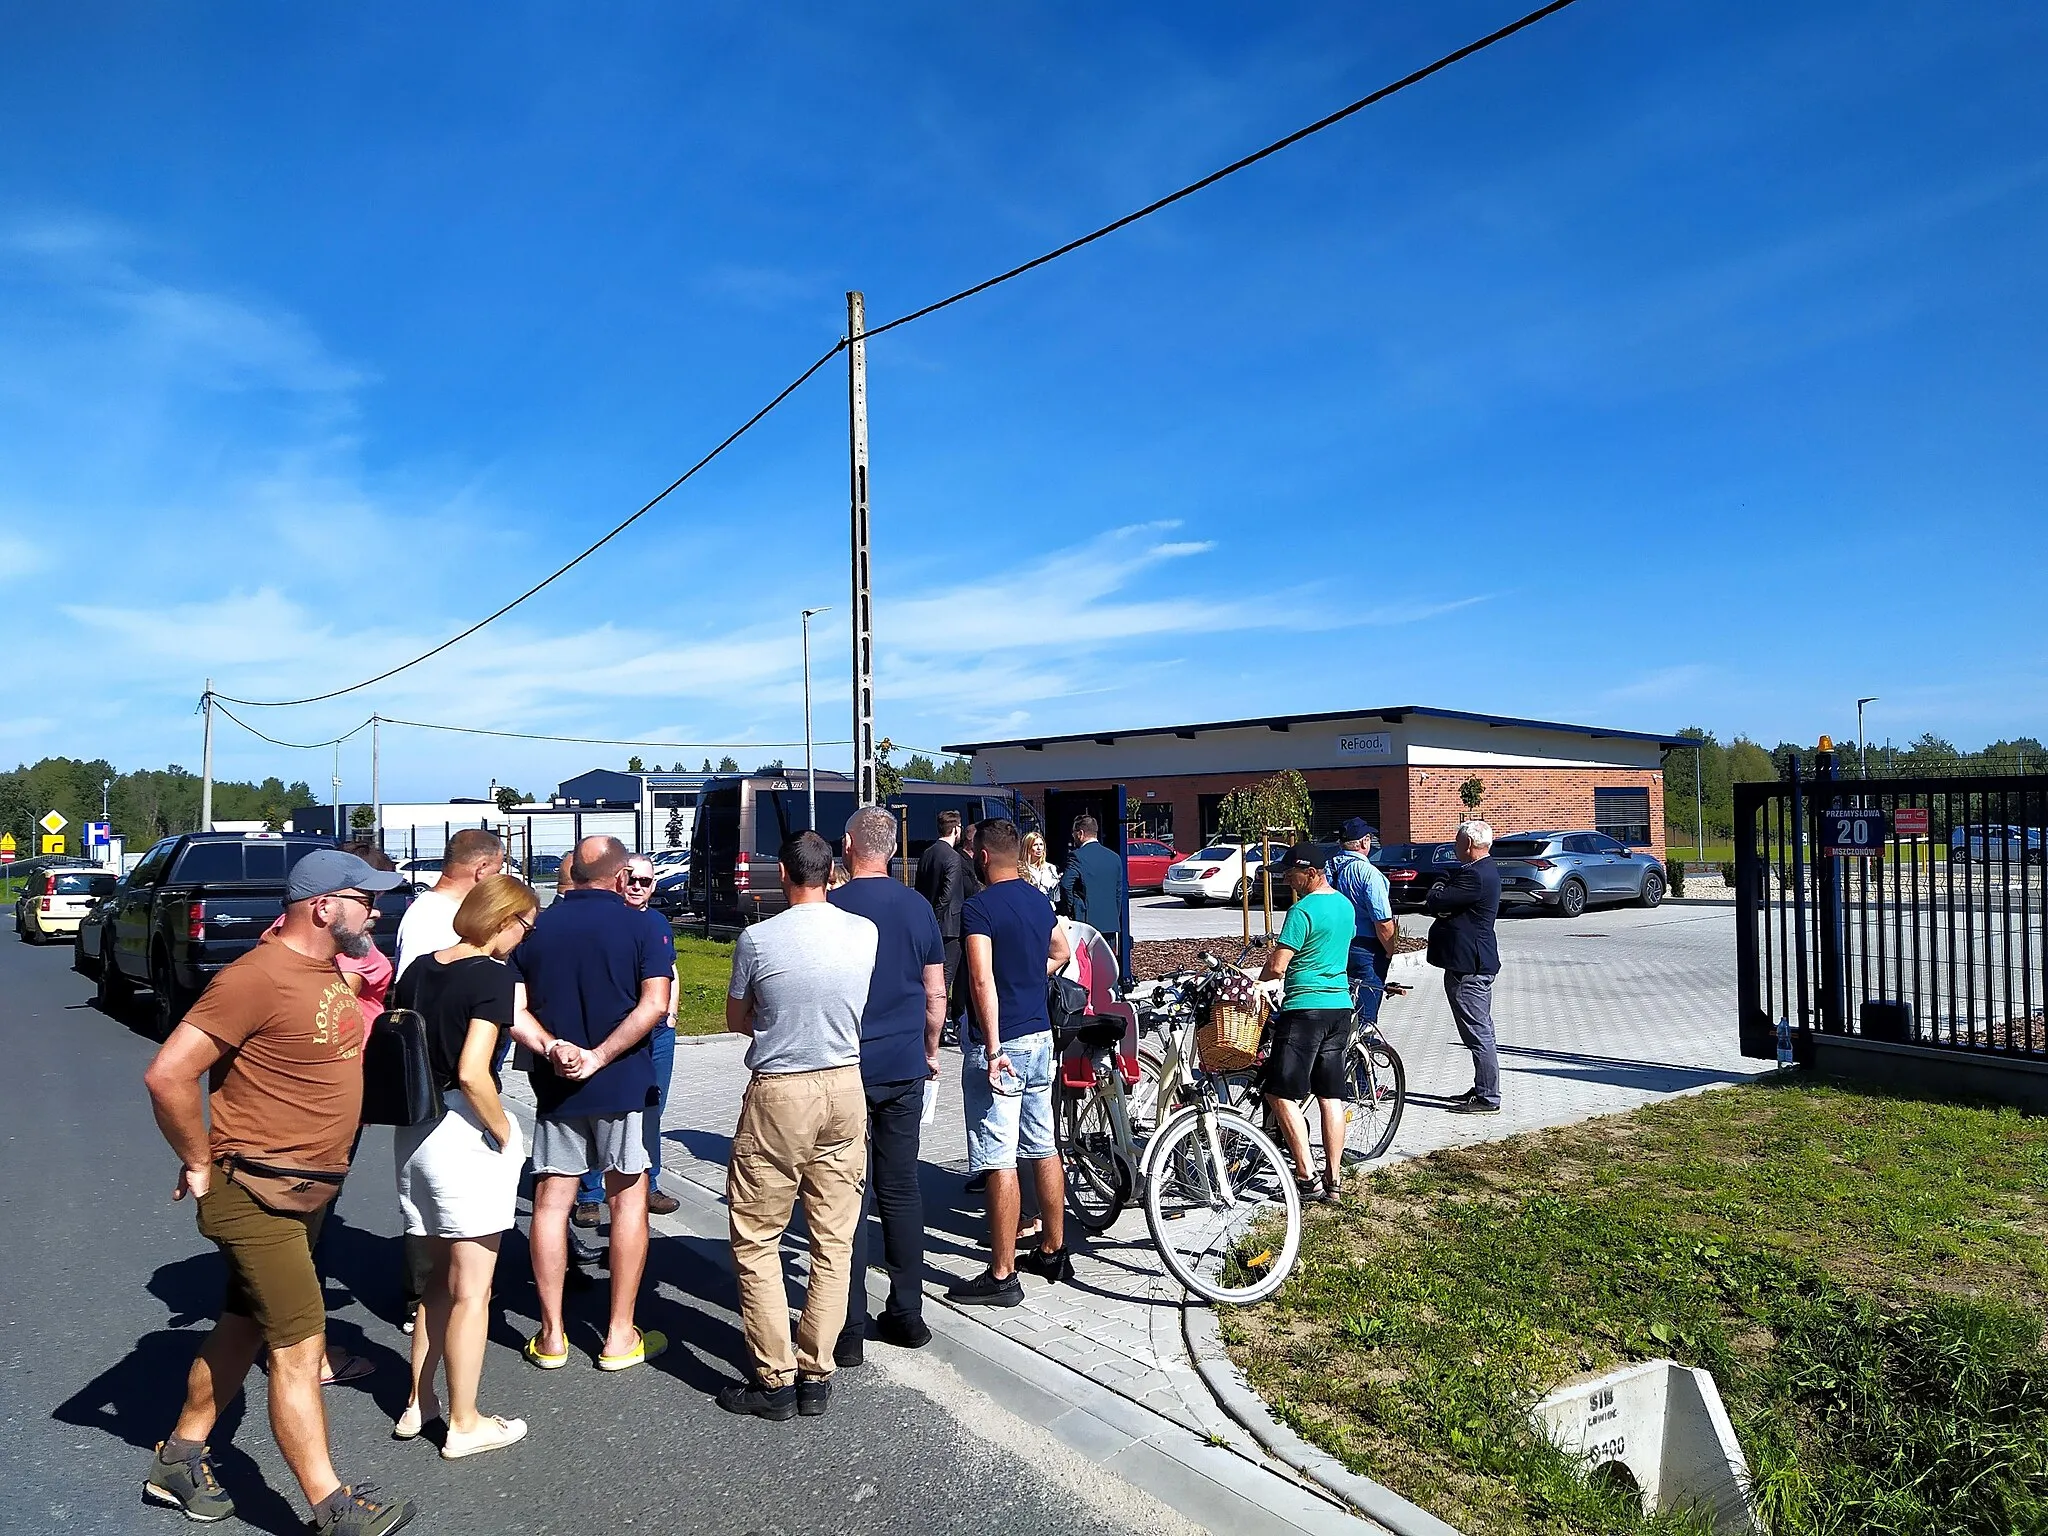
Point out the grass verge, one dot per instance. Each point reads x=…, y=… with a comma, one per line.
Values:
x=1862, y=1274
x=703, y=971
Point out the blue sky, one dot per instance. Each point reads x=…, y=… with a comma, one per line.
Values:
x=1670, y=363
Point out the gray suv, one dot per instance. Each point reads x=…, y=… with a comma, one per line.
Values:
x=1571, y=871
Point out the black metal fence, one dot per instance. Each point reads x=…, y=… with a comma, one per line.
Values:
x=1909, y=911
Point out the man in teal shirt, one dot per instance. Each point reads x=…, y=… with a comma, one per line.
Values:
x=1313, y=1029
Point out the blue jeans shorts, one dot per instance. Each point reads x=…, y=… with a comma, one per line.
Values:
x=1004, y=1127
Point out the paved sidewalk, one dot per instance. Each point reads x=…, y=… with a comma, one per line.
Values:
x=1596, y=1015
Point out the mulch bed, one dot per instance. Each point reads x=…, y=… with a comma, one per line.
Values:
x=1153, y=958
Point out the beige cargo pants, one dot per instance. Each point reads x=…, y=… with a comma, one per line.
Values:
x=802, y=1135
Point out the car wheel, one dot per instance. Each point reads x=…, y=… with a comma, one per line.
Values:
x=170, y=1001
x=114, y=991
x=1571, y=899
x=1653, y=888
x=1239, y=891
x=1959, y=855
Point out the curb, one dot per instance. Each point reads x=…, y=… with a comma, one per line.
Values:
x=1377, y=1503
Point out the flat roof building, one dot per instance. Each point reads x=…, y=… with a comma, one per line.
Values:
x=1402, y=768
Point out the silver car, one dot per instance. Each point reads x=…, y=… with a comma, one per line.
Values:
x=1571, y=871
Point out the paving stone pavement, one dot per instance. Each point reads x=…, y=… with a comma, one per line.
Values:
x=1596, y=1015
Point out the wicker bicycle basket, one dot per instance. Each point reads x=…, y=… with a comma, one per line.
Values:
x=1227, y=1040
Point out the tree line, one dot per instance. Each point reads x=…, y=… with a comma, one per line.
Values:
x=1723, y=766
x=143, y=805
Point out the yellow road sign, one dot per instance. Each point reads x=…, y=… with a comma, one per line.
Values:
x=53, y=823
x=53, y=843
x=6, y=842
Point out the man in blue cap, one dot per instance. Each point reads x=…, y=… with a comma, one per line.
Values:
x=272, y=1056
x=1353, y=875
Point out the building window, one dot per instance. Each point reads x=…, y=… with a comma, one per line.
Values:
x=1623, y=814
x=1210, y=809
x=1331, y=808
x=1150, y=818
x=675, y=799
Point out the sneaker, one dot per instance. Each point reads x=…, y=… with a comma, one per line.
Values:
x=985, y=1290
x=188, y=1485
x=1055, y=1264
x=813, y=1395
x=661, y=1203
x=976, y=1183
x=750, y=1396
x=903, y=1332
x=851, y=1350
x=586, y=1213
x=365, y=1513
x=1474, y=1107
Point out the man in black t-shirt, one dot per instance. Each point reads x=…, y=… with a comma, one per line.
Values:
x=899, y=1055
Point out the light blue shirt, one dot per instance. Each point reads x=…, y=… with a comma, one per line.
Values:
x=1361, y=881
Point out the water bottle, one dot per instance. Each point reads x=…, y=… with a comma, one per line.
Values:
x=1784, y=1041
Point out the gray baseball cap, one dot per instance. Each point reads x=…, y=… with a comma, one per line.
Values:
x=327, y=870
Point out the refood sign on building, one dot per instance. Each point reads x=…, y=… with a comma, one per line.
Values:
x=1368, y=746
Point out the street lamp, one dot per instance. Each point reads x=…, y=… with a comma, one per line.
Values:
x=1862, y=764
x=810, y=772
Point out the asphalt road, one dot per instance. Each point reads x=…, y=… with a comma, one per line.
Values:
x=108, y=1288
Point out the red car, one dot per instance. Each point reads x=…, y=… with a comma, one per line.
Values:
x=1146, y=861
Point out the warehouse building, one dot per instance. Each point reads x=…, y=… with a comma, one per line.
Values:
x=1405, y=769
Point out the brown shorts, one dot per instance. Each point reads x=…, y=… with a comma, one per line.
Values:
x=270, y=1263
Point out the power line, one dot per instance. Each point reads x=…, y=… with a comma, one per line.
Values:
x=1274, y=148
x=296, y=746
x=1394, y=88
x=745, y=427
x=591, y=741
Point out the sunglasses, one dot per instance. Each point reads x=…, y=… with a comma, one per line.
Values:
x=369, y=902
x=639, y=879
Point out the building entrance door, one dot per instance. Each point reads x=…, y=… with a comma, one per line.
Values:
x=1107, y=804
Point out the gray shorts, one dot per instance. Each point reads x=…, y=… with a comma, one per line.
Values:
x=607, y=1143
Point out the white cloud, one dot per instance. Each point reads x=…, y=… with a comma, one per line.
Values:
x=19, y=557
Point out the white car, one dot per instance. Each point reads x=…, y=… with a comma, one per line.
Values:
x=1217, y=873
x=421, y=873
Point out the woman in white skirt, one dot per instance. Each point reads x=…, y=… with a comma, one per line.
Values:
x=458, y=1178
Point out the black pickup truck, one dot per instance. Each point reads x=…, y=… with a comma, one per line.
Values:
x=196, y=903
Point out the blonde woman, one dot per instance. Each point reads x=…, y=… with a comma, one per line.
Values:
x=1034, y=868
x=458, y=1178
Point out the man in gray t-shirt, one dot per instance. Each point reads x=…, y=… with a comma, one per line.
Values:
x=799, y=984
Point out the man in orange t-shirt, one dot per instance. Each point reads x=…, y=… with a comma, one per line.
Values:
x=277, y=1040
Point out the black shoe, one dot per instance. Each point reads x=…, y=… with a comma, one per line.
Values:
x=586, y=1213
x=1055, y=1264
x=985, y=1290
x=903, y=1332
x=976, y=1182
x=851, y=1349
x=813, y=1395
x=1474, y=1107
x=750, y=1396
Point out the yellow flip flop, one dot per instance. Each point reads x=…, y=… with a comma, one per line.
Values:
x=650, y=1343
x=540, y=1357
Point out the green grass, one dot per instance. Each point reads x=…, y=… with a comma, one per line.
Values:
x=704, y=970
x=1862, y=1274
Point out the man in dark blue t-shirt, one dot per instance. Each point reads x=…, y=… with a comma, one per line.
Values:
x=899, y=1054
x=595, y=976
x=1013, y=944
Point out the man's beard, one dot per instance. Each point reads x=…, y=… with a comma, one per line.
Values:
x=353, y=942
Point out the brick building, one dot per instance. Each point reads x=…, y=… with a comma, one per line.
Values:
x=1401, y=768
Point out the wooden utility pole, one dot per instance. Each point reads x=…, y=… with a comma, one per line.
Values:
x=865, y=785
x=376, y=782
x=206, y=762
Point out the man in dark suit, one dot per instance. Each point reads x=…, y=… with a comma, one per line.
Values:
x=1093, y=885
x=942, y=880
x=1461, y=943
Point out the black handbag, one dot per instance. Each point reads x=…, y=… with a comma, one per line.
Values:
x=398, y=1073
x=1066, y=1003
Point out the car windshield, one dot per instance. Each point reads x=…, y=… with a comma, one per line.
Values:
x=1520, y=847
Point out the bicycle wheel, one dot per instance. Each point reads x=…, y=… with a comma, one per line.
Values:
x=1099, y=1174
x=1379, y=1092
x=1222, y=1206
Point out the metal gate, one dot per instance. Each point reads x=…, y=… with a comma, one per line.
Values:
x=1909, y=911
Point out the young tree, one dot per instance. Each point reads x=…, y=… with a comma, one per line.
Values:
x=1471, y=793
x=507, y=797
x=1281, y=801
x=674, y=830
x=707, y=766
x=362, y=818
x=634, y=765
x=728, y=764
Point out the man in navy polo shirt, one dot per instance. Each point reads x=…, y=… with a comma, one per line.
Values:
x=593, y=974
x=899, y=1053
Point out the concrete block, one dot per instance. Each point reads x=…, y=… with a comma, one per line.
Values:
x=1661, y=1427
